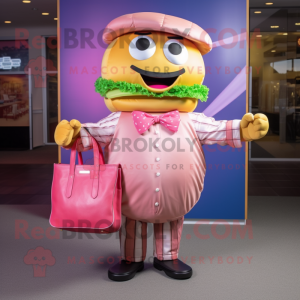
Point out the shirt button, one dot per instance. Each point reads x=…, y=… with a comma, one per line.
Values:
x=157, y=174
x=156, y=204
x=157, y=159
x=156, y=145
x=157, y=190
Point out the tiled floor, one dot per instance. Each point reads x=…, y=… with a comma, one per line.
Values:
x=39, y=155
x=25, y=184
x=267, y=247
x=274, y=179
x=31, y=184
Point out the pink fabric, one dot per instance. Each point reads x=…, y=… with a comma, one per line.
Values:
x=167, y=239
x=133, y=239
x=142, y=121
x=151, y=21
x=179, y=190
x=162, y=190
x=102, y=132
x=229, y=136
x=208, y=130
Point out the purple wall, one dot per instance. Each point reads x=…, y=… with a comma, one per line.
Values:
x=224, y=193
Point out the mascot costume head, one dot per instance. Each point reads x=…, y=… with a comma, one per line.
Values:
x=153, y=63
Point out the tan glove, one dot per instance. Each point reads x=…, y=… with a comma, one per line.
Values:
x=253, y=127
x=66, y=133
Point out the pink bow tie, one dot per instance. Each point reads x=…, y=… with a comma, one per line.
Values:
x=142, y=121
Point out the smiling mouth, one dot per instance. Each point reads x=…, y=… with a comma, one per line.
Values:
x=158, y=80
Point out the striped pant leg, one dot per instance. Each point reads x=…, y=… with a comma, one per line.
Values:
x=167, y=239
x=133, y=240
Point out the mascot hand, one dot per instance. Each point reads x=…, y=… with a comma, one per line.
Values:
x=253, y=127
x=67, y=132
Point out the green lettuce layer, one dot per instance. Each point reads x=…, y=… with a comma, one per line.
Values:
x=111, y=89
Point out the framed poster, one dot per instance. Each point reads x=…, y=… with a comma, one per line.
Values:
x=81, y=50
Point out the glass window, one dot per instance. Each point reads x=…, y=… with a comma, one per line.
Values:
x=51, y=53
x=52, y=112
x=13, y=55
x=14, y=100
x=52, y=95
x=274, y=58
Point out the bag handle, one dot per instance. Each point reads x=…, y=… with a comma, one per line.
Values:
x=80, y=160
x=97, y=161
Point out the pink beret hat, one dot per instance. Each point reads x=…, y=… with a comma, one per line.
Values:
x=151, y=21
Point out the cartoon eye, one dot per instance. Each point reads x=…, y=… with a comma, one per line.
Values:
x=43, y=258
x=142, y=47
x=35, y=258
x=44, y=68
x=36, y=68
x=175, y=52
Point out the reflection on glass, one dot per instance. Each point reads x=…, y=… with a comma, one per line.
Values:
x=14, y=100
x=275, y=62
x=51, y=52
x=296, y=65
x=52, y=113
x=282, y=66
x=13, y=55
x=52, y=96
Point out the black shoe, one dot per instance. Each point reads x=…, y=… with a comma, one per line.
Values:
x=173, y=268
x=125, y=270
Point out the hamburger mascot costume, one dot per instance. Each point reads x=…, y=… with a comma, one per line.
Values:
x=152, y=74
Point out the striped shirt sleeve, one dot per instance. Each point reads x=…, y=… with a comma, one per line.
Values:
x=102, y=132
x=210, y=131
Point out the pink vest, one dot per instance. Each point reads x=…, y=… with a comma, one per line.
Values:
x=163, y=172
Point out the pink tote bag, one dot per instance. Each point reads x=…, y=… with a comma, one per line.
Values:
x=86, y=198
